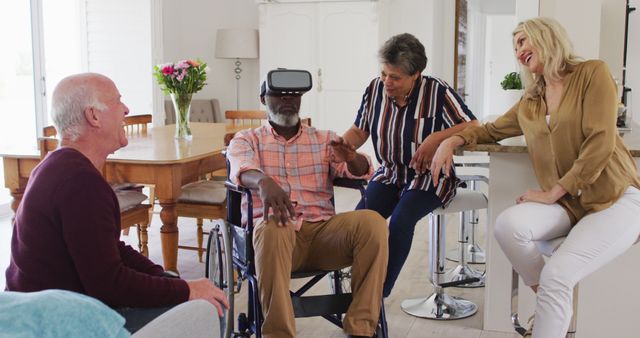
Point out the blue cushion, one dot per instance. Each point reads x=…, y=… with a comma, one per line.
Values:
x=57, y=313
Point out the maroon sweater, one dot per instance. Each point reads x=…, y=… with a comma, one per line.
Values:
x=67, y=236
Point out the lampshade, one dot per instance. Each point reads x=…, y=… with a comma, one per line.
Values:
x=239, y=43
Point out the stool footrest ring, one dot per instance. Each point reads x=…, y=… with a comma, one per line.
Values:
x=458, y=282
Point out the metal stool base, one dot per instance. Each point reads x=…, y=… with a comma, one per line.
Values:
x=462, y=272
x=439, y=307
x=473, y=255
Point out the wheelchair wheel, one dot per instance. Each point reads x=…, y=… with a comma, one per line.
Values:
x=219, y=269
x=344, y=280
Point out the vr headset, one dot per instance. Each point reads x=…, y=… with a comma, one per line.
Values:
x=286, y=82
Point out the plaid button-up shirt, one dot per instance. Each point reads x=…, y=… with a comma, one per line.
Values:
x=302, y=166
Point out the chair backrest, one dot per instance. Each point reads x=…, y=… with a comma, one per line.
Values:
x=245, y=118
x=137, y=123
x=49, y=131
x=229, y=136
x=252, y=118
x=201, y=111
x=46, y=145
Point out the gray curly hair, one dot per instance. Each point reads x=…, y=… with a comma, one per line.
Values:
x=404, y=51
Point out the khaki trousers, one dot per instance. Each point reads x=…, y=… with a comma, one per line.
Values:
x=356, y=238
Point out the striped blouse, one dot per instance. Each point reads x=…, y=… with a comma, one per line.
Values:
x=397, y=132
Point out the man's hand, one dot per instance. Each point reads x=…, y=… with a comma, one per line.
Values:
x=545, y=197
x=204, y=289
x=274, y=197
x=421, y=160
x=342, y=151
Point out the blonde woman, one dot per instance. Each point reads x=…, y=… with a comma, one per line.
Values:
x=588, y=179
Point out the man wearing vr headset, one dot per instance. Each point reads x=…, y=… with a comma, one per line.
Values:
x=292, y=167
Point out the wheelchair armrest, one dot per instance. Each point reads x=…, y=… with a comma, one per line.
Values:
x=234, y=193
x=351, y=183
x=236, y=187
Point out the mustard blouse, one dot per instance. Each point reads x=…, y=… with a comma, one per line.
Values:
x=580, y=148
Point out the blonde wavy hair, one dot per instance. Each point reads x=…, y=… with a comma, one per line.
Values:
x=554, y=49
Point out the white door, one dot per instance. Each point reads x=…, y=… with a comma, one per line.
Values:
x=337, y=42
x=347, y=60
x=288, y=40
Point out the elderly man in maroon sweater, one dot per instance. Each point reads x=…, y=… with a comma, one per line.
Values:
x=67, y=229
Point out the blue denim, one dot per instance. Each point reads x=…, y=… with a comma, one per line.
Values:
x=406, y=208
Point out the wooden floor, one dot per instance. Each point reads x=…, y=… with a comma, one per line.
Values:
x=412, y=283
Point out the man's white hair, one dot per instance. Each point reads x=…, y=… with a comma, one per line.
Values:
x=70, y=98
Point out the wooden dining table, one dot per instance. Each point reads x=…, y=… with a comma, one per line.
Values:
x=155, y=157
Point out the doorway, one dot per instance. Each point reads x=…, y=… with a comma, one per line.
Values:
x=484, y=52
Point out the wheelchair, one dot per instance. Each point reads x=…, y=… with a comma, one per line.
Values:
x=230, y=262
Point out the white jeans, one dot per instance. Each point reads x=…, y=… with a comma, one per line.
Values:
x=594, y=241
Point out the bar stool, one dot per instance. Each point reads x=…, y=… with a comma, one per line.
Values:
x=470, y=169
x=440, y=305
x=547, y=248
x=466, y=233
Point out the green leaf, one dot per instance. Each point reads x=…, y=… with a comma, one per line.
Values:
x=511, y=81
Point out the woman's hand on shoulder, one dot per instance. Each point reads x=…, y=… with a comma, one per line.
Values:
x=342, y=151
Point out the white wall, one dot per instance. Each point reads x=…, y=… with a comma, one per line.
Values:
x=431, y=21
x=189, y=28
x=583, y=27
x=597, y=30
x=612, y=35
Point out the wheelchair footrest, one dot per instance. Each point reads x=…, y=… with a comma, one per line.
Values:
x=311, y=306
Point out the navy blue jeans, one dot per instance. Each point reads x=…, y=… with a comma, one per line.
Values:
x=406, y=208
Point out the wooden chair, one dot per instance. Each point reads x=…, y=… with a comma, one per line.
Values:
x=137, y=124
x=133, y=124
x=207, y=198
x=49, y=131
x=245, y=118
x=132, y=210
x=200, y=200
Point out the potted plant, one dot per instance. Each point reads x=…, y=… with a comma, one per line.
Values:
x=511, y=81
x=512, y=84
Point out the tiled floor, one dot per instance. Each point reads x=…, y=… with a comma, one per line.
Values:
x=412, y=282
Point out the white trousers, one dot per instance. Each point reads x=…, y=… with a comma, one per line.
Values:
x=593, y=242
x=196, y=318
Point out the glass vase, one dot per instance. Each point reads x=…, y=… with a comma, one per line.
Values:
x=182, y=107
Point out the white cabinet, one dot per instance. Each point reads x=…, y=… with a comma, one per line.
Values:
x=336, y=41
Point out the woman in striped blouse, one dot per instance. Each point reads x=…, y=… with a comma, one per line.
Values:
x=407, y=115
